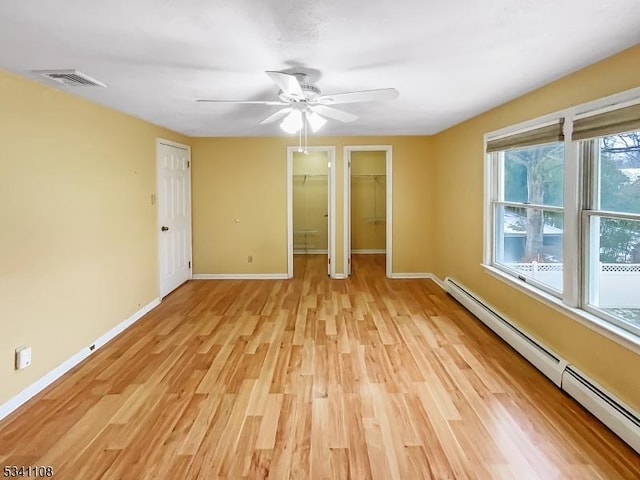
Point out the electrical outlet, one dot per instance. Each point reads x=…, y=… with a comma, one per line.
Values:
x=250, y=259
x=23, y=357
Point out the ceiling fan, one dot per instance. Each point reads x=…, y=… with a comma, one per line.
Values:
x=304, y=105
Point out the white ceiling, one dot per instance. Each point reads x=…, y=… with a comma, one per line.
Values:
x=449, y=59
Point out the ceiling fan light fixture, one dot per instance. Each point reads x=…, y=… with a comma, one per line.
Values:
x=304, y=105
x=315, y=121
x=292, y=123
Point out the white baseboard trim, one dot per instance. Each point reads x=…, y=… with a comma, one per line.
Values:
x=311, y=252
x=369, y=251
x=43, y=382
x=430, y=276
x=339, y=276
x=410, y=275
x=121, y=327
x=438, y=281
x=240, y=276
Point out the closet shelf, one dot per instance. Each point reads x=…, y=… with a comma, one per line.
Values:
x=304, y=176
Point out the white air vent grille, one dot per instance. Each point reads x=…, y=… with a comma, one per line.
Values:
x=70, y=78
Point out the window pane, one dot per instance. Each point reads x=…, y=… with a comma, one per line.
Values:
x=529, y=242
x=534, y=174
x=620, y=173
x=614, y=268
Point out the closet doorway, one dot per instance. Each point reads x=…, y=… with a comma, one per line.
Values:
x=311, y=206
x=367, y=205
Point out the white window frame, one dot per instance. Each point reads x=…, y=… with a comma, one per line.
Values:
x=573, y=301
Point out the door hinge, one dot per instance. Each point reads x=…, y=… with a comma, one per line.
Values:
x=189, y=264
x=188, y=163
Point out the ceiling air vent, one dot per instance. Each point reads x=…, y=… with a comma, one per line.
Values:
x=70, y=78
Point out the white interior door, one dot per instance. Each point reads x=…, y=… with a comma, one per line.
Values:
x=174, y=214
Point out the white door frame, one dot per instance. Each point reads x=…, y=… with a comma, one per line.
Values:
x=331, y=199
x=388, y=149
x=162, y=141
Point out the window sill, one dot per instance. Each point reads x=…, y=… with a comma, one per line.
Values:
x=612, y=332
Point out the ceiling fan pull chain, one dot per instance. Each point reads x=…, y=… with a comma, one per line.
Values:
x=300, y=141
x=304, y=123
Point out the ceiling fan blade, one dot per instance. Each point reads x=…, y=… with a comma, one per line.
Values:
x=287, y=83
x=333, y=113
x=276, y=116
x=362, y=96
x=252, y=102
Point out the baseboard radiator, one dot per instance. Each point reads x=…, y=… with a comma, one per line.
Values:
x=603, y=405
x=620, y=418
x=540, y=356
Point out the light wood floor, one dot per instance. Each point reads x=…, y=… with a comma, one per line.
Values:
x=311, y=378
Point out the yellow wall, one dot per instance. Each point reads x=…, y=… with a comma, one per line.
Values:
x=310, y=201
x=78, y=251
x=368, y=200
x=458, y=155
x=245, y=179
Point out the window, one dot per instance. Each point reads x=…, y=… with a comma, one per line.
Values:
x=563, y=214
x=528, y=206
x=613, y=228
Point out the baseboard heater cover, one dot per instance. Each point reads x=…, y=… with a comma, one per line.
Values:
x=620, y=418
x=616, y=415
x=548, y=362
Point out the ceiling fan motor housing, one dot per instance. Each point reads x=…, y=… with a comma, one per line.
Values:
x=311, y=92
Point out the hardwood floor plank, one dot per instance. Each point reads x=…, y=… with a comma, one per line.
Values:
x=269, y=425
x=194, y=437
x=363, y=378
x=379, y=458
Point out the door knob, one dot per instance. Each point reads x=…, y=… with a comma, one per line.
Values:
x=164, y=229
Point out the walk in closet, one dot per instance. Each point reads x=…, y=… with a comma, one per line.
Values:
x=310, y=202
x=368, y=202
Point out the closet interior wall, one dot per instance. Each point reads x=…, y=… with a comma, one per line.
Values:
x=368, y=202
x=310, y=202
